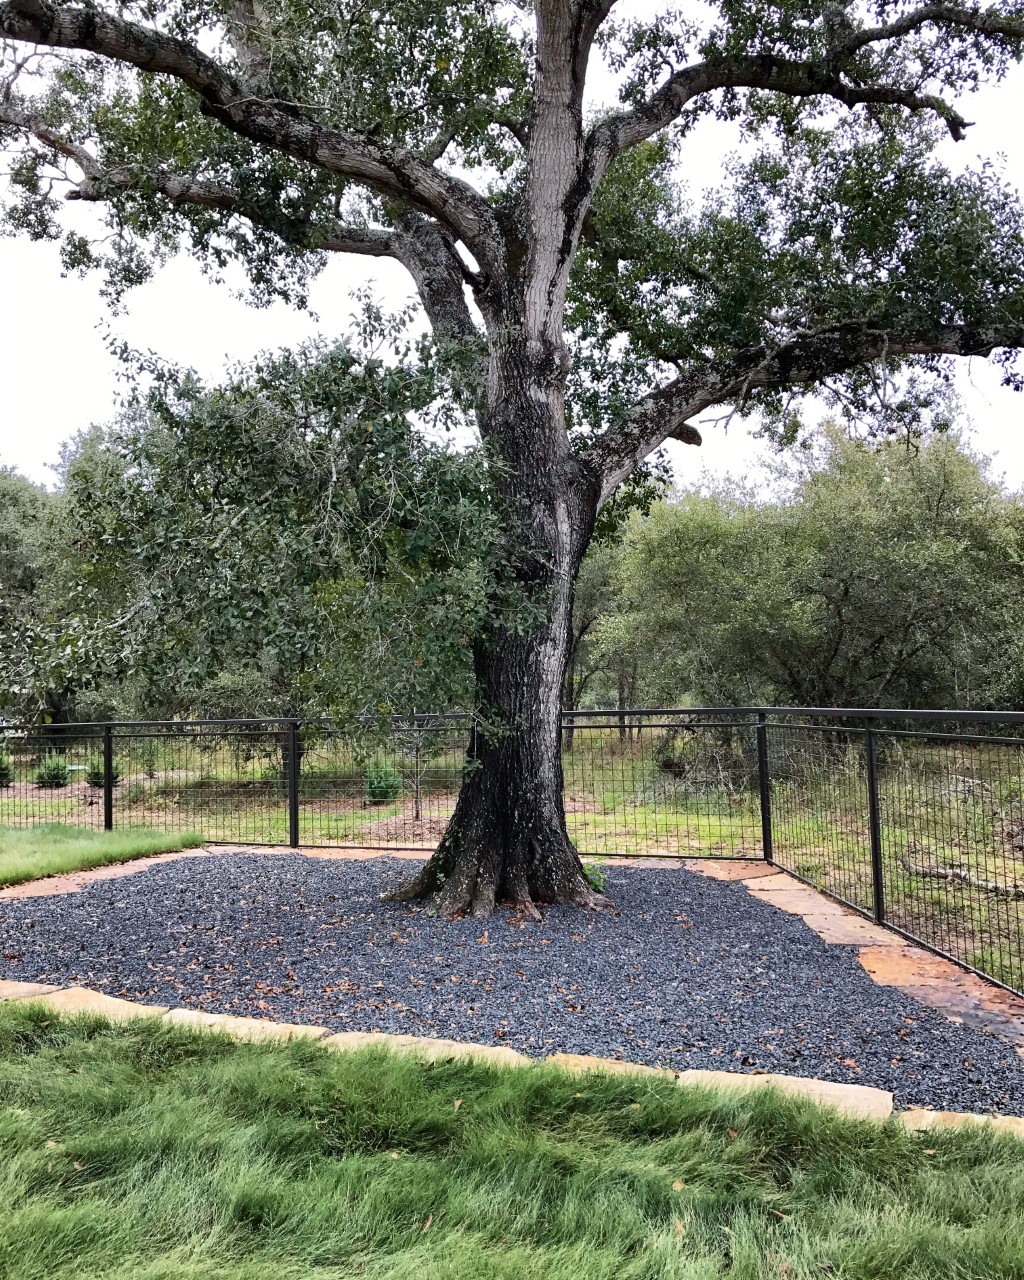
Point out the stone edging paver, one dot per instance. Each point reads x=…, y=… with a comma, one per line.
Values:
x=856, y=1100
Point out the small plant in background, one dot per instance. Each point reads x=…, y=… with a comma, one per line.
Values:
x=148, y=757
x=597, y=876
x=53, y=771
x=95, y=773
x=6, y=769
x=272, y=772
x=382, y=783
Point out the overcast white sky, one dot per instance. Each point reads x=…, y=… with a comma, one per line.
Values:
x=57, y=377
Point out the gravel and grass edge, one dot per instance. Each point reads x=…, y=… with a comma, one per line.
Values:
x=37, y=853
x=858, y=1101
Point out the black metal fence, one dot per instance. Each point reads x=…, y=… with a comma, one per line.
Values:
x=913, y=818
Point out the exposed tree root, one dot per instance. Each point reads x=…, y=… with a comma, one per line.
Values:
x=479, y=866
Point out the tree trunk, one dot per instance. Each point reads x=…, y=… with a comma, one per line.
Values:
x=569, y=700
x=507, y=840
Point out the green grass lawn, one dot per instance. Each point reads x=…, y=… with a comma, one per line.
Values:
x=153, y=1153
x=30, y=853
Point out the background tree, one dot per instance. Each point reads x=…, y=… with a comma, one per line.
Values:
x=888, y=576
x=283, y=544
x=24, y=511
x=453, y=138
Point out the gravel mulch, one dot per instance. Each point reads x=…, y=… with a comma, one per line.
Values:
x=689, y=972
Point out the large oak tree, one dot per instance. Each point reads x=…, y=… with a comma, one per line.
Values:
x=550, y=243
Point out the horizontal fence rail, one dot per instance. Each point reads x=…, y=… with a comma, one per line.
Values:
x=914, y=818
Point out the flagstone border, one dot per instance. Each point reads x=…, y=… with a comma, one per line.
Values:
x=887, y=957
x=855, y=1100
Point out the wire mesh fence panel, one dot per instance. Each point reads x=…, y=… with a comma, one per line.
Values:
x=953, y=846
x=53, y=775
x=819, y=801
x=682, y=785
x=887, y=811
x=225, y=782
x=371, y=790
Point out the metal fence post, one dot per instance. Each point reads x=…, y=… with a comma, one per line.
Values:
x=764, y=786
x=108, y=778
x=292, y=777
x=874, y=823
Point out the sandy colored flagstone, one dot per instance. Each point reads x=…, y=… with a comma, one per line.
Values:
x=76, y=881
x=906, y=965
x=733, y=870
x=852, y=1099
x=920, y=1119
x=428, y=1049
x=830, y=921
x=244, y=1028
x=23, y=990
x=82, y=1000
x=613, y=1066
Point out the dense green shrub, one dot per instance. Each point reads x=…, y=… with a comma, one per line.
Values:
x=52, y=771
x=382, y=783
x=6, y=769
x=94, y=772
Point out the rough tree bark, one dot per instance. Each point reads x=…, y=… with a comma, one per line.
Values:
x=507, y=840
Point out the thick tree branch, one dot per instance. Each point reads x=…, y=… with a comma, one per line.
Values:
x=776, y=75
x=390, y=171
x=559, y=189
x=245, y=31
x=429, y=254
x=422, y=246
x=800, y=363
x=832, y=77
x=988, y=22
x=19, y=118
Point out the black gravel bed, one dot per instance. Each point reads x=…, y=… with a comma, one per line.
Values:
x=688, y=972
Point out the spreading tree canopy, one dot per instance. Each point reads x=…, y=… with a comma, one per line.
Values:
x=552, y=241
x=282, y=544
